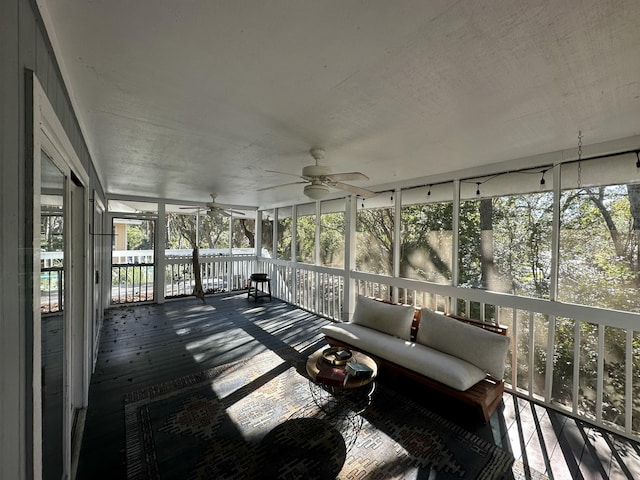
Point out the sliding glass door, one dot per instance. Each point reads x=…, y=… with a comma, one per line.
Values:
x=52, y=308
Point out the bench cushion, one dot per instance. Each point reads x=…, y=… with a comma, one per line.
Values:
x=441, y=367
x=391, y=319
x=487, y=350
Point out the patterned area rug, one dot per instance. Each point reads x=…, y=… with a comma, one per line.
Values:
x=261, y=418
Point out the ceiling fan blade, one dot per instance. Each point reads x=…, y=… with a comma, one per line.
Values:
x=193, y=210
x=361, y=192
x=236, y=212
x=347, y=176
x=284, y=173
x=278, y=186
x=227, y=206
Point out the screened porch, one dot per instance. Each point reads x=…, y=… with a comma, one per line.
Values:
x=550, y=251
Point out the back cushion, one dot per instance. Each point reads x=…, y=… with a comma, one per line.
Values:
x=484, y=349
x=394, y=320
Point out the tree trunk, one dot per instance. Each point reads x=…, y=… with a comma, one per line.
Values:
x=486, y=242
x=248, y=233
x=198, y=292
x=608, y=220
x=634, y=201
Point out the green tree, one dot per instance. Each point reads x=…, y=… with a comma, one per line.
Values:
x=374, y=250
x=243, y=233
x=140, y=237
x=599, y=248
x=267, y=232
x=284, y=238
x=306, y=238
x=332, y=239
x=425, y=253
x=505, y=244
x=51, y=229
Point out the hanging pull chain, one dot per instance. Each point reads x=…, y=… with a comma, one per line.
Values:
x=579, y=159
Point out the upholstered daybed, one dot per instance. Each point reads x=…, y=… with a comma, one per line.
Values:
x=461, y=358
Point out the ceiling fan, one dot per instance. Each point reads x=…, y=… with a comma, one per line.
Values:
x=213, y=208
x=320, y=179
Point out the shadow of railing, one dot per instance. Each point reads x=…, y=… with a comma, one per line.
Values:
x=550, y=442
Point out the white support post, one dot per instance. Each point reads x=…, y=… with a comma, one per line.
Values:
x=349, y=302
x=397, y=195
x=274, y=233
x=274, y=253
x=158, y=253
x=455, y=276
x=317, y=235
x=553, y=287
x=555, y=233
x=230, y=234
x=230, y=262
x=258, y=234
x=294, y=255
x=316, y=276
x=257, y=242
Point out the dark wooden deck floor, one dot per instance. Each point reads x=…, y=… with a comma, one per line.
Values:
x=148, y=344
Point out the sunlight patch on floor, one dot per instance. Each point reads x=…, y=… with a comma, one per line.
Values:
x=255, y=310
x=239, y=375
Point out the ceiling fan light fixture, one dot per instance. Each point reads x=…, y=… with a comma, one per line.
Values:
x=316, y=191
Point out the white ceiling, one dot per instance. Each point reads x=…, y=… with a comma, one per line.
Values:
x=181, y=98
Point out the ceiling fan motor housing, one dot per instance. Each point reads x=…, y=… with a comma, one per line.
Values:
x=316, y=171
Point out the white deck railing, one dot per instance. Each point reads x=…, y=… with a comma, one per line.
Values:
x=595, y=386
x=218, y=274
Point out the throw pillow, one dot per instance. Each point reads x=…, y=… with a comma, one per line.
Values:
x=483, y=348
x=394, y=320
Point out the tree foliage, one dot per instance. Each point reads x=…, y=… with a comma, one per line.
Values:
x=375, y=239
x=427, y=234
x=51, y=230
x=332, y=236
x=599, y=248
x=284, y=238
x=306, y=238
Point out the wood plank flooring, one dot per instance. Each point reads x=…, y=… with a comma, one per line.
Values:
x=147, y=344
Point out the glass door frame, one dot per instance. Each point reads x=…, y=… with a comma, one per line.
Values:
x=49, y=135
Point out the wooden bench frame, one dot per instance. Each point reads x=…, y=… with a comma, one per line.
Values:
x=484, y=396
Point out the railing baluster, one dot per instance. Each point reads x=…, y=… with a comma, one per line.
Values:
x=628, y=391
x=575, y=390
x=549, y=371
x=600, y=370
x=531, y=367
x=514, y=350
